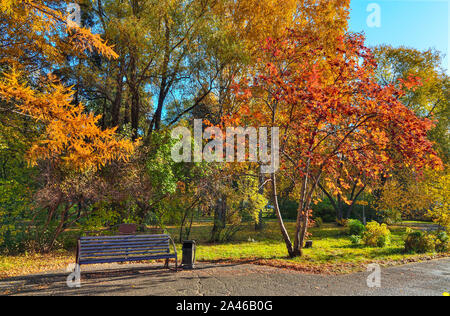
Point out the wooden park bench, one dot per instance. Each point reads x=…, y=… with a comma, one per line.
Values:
x=125, y=248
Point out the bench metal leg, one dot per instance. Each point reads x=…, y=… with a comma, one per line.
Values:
x=166, y=265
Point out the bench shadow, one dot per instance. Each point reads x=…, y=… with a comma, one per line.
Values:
x=100, y=282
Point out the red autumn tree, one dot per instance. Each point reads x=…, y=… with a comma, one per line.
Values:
x=332, y=116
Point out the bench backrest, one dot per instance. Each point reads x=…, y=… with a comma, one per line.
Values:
x=104, y=249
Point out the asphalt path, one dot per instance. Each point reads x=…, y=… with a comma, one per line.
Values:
x=431, y=278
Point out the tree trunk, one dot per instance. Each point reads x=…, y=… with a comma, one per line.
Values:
x=303, y=214
x=60, y=228
x=220, y=217
x=260, y=225
x=164, y=87
x=126, y=117
x=135, y=109
x=299, y=251
x=156, y=122
x=276, y=206
x=188, y=230
x=183, y=222
x=103, y=120
x=336, y=205
x=115, y=110
x=135, y=97
x=300, y=215
x=364, y=216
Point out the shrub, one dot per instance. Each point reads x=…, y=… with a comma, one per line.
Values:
x=390, y=217
x=383, y=241
x=15, y=215
x=355, y=227
x=318, y=222
x=377, y=235
x=443, y=242
x=288, y=209
x=355, y=239
x=420, y=242
x=342, y=222
x=442, y=246
x=442, y=236
x=325, y=211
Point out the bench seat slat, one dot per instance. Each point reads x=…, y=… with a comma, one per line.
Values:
x=95, y=241
x=90, y=241
x=126, y=245
x=100, y=250
x=131, y=244
x=124, y=237
x=123, y=254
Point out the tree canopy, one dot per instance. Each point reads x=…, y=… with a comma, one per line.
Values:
x=87, y=110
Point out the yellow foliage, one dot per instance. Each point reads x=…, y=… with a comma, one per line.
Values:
x=403, y=195
x=71, y=136
x=438, y=189
x=253, y=21
x=376, y=235
x=34, y=28
x=35, y=35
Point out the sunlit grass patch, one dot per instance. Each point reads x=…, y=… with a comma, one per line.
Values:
x=332, y=249
x=26, y=264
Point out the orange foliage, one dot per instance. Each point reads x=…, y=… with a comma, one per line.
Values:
x=332, y=115
x=71, y=136
x=32, y=39
x=332, y=110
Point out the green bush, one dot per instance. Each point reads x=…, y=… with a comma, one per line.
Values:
x=325, y=211
x=442, y=242
x=288, y=209
x=420, y=242
x=377, y=235
x=15, y=216
x=390, y=217
x=342, y=222
x=355, y=239
x=443, y=236
x=355, y=227
x=442, y=246
x=383, y=241
x=318, y=222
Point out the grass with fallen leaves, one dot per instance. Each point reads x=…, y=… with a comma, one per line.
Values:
x=332, y=252
x=26, y=264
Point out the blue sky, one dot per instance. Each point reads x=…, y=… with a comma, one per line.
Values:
x=420, y=24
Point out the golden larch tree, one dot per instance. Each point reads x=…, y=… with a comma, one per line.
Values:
x=37, y=38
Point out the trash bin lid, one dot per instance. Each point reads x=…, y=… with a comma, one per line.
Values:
x=188, y=243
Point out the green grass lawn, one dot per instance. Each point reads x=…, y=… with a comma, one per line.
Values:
x=332, y=251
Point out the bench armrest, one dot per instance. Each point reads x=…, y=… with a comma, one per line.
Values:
x=173, y=244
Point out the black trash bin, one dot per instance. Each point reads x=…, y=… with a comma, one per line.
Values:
x=188, y=260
